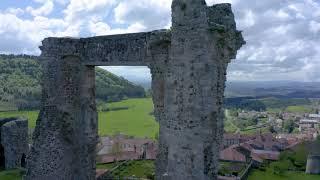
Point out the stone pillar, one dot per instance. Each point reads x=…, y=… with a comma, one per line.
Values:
x=158, y=50
x=194, y=88
x=14, y=141
x=66, y=132
x=158, y=91
x=313, y=164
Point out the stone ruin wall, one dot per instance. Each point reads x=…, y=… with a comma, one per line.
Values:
x=188, y=65
x=14, y=140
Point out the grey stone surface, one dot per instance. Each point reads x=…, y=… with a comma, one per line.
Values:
x=188, y=65
x=14, y=142
x=313, y=164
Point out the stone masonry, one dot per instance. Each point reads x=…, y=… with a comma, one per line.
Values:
x=14, y=142
x=188, y=65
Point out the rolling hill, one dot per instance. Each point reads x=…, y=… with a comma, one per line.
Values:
x=20, y=84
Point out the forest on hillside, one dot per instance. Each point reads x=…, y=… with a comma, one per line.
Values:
x=20, y=87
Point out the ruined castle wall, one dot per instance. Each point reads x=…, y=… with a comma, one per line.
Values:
x=14, y=140
x=188, y=65
x=66, y=132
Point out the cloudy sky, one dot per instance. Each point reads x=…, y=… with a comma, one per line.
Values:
x=283, y=36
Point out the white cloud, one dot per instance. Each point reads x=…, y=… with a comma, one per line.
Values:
x=62, y=2
x=281, y=43
x=211, y=2
x=282, y=36
x=44, y=10
x=248, y=19
x=100, y=28
x=15, y=11
x=153, y=14
x=314, y=26
x=24, y=36
x=134, y=74
x=79, y=9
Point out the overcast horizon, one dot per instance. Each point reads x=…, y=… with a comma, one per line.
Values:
x=282, y=36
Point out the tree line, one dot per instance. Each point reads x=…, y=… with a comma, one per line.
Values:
x=20, y=83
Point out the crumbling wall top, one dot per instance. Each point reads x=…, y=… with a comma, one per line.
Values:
x=222, y=24
x=125, y=49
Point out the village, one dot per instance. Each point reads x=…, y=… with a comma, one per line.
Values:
x=240, y=151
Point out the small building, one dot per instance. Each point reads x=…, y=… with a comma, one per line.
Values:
x=306, y=124
x=121, y=148
x=230, y=139
x=266, y=155
x=231, y=154
x=13, y=142
x=314, y=116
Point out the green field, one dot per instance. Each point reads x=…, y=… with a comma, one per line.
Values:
x=10, y=175
x=141, y=169
x=137, y=120
x=298, y=109
x=7, y=106
x=253, y=131
x=229, y=126
x=268, y=175
x=106, y=166
x=31, y=115
x=228, y=168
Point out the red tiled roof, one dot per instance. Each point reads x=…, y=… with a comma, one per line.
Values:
x=231, y=154
x=255, y=157
x=100, y=172
x=226, y=178
x=247, y=146
x=268, y=155
x=231, y=136
x=120, y=157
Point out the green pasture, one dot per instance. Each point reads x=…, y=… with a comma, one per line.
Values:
x=141, y=169
x=135, y=119
x=11, y=175
x=269, y=175
x=298, y=109
x=31, y=115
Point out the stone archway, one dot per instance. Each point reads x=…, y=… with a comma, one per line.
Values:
x=188, y=65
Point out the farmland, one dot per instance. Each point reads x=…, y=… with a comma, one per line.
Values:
x=133, y=117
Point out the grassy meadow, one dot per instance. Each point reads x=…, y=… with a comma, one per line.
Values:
x=11, y=175
x=137, y=120
x=141, y=169
x=298, y=109
x=268, y=175
x=134, y=118
x=31, y=115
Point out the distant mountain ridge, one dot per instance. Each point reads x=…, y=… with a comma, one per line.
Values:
x=20, y=83
x=261, y=89
x=279, y=89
